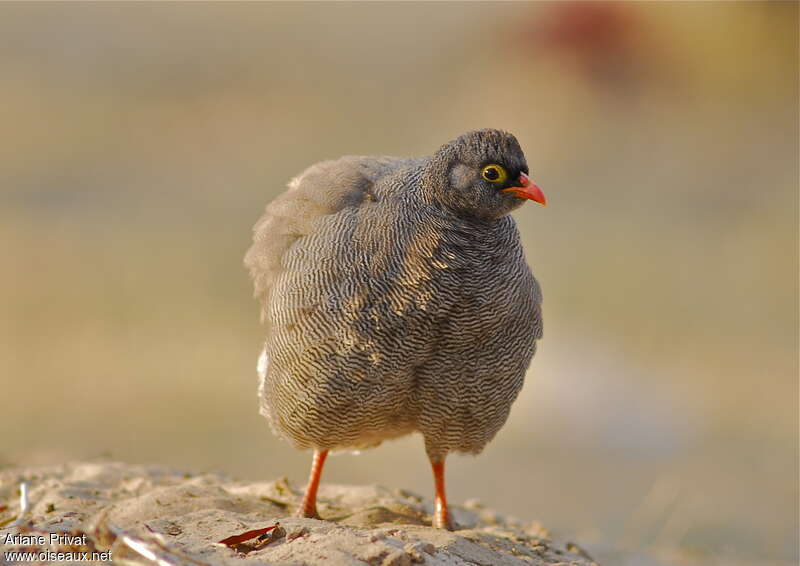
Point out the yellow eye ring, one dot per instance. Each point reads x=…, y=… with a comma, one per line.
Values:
x=494, y=173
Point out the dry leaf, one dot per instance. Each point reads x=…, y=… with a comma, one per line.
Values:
x=232, y=541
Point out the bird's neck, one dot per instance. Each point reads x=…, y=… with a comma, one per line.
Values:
x=428, y=197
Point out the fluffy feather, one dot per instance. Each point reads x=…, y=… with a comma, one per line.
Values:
x=397, y=299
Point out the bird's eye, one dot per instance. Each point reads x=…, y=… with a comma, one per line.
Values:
x=494, y=173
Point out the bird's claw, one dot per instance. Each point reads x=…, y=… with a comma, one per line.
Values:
x=307, y=511
x=444, y=521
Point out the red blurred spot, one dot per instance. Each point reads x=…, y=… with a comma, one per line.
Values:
x=599, y=38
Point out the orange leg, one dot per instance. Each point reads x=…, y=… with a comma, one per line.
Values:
x=441, y=516
x=308, y=508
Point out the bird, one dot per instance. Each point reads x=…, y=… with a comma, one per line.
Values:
x=397, y=299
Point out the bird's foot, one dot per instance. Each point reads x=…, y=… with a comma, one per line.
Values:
x=307, y=510
x=308, y=507
x=441, y=514
x=443, y=520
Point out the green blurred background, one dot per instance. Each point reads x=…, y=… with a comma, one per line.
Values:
x=659, y=422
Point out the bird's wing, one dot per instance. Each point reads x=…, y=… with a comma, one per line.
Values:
x=324, y=189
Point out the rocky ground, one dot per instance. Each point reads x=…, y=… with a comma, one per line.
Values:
x=154, y=515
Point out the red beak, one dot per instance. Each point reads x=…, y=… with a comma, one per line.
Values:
x=527, y=189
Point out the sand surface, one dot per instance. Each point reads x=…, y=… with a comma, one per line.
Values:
x=149, y=515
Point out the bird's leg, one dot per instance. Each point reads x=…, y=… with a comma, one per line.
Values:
x=441, y=516
x=308, y=508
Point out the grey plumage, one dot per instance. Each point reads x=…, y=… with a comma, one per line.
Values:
x=397, y=299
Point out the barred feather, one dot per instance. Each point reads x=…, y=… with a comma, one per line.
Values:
x=390, y=311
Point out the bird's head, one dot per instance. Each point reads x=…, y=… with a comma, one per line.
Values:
x=481, y=174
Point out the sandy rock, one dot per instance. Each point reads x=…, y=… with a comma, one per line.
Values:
x=180, y=518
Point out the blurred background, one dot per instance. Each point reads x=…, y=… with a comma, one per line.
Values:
x=659, y=422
